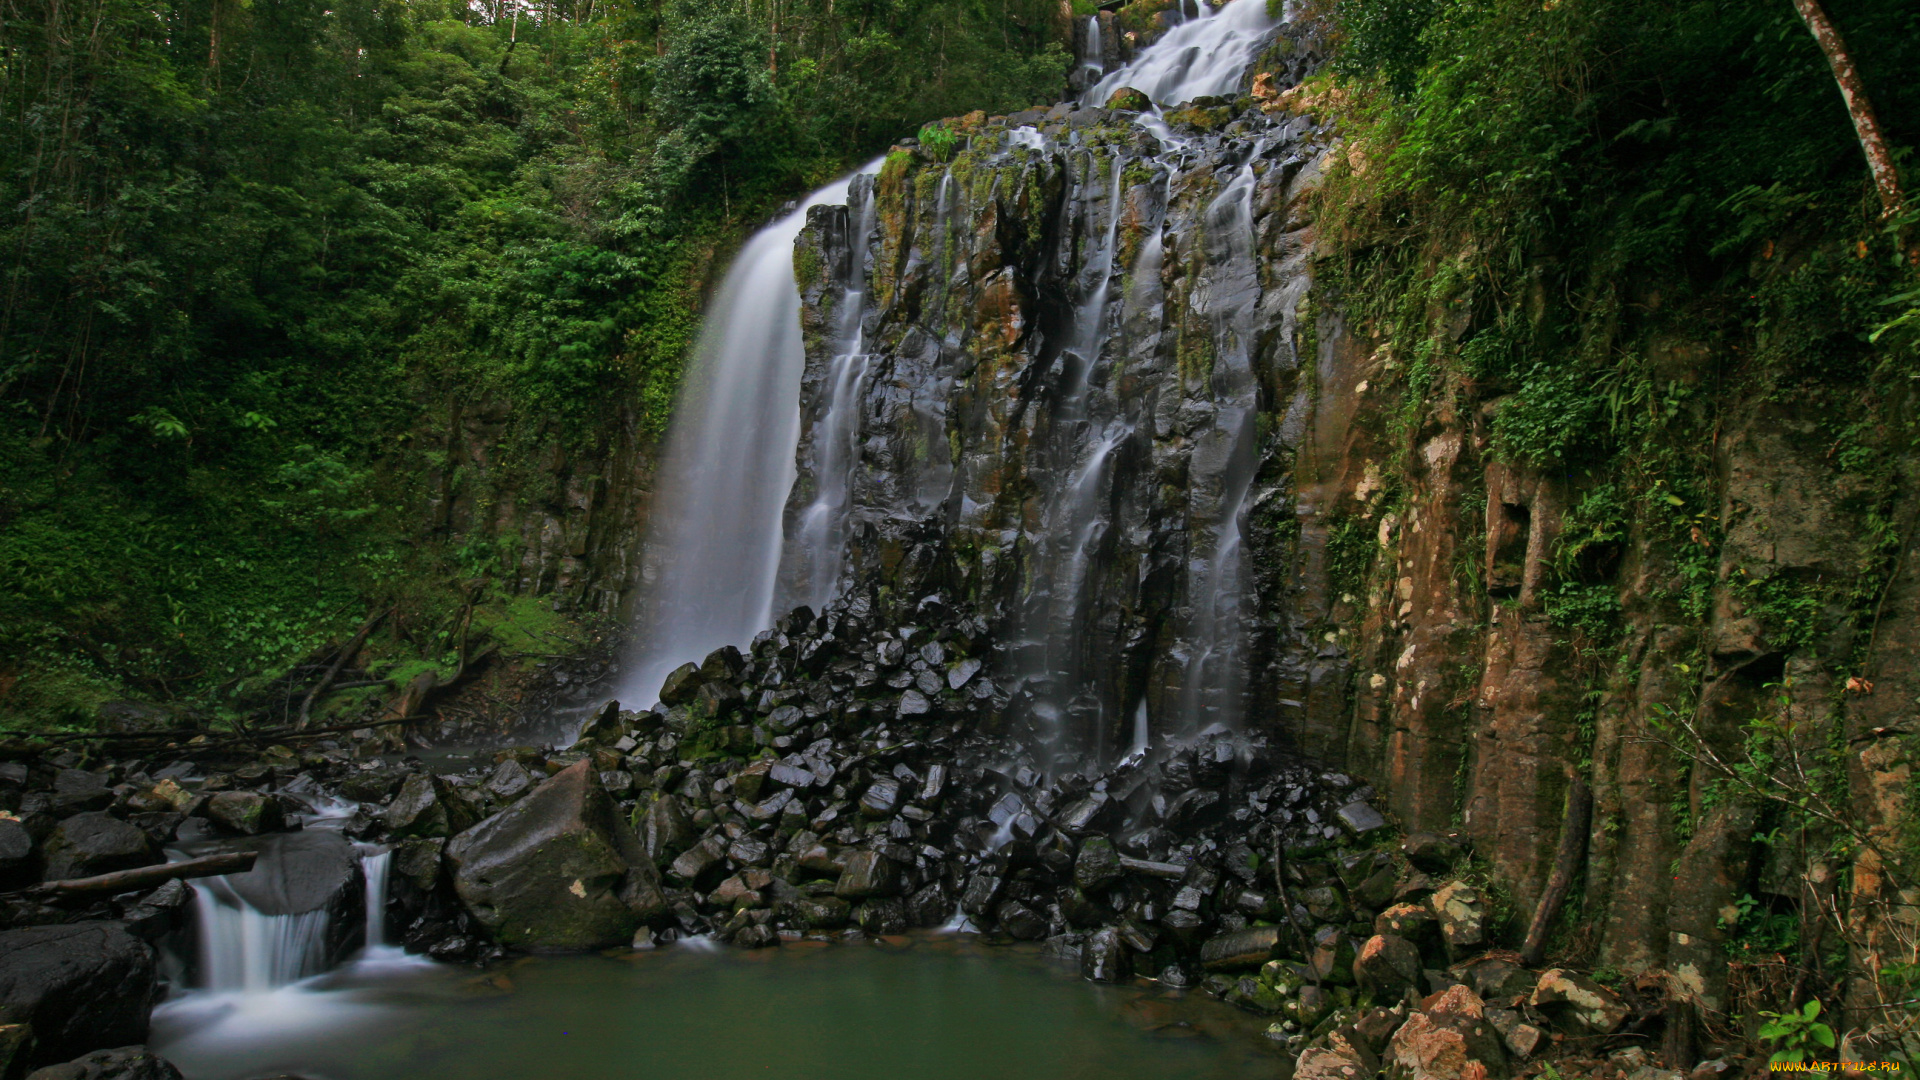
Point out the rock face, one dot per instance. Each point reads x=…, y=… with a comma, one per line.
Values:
x=560, y=869
x=79, y=985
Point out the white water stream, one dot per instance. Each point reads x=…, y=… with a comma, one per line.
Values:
x=714, y=553
x=1207, y=54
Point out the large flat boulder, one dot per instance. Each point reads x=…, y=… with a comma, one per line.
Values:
x=80, y=986
x=96, y=842
x=559, y=870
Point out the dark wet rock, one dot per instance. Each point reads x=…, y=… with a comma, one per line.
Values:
x=300, y=872
x=981, y=891
x=880, y=798
x=426, y=805
x=1097, y=866
x=1165, y=871
x=244, y=813
x=749, y=851
x=1021, y=921
x=95, y=843
x=681, y=684
x=913, y=703
x=702, y=864
x=560, y=869
x=76, y=790
x=666, y=830
x=1331, y=959
x=1103, y=958
x=868, y=873
x=16, y=854
x=125, y=1063
x=930, y=906
x=1432, y=852
x=509, y=781
x=880, y=916
x=1497, y=980
x=1251, y=947
x=824, y=912
x=79, y=986
x=418, y=862
x=1388, y=966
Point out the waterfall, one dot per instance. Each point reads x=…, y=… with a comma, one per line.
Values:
x=1092, y=59
x=374, y=868
x=1206, y=55
x=714, y=550
x=243, y=949
x=819, y=537
x=1215, y=678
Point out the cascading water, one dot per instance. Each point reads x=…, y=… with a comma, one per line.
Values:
x=242, y=948
x=1207, y=54
x=1077, y=382
x=1215, y=677
x=374, y=868
x=818, y=538
x=715, y=549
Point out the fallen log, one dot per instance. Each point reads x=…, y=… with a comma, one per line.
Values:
x=145, y=877
x=1573, y=843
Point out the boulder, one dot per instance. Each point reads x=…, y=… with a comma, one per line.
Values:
x=1097, y=866
x=1332, y=957
x=1127, y=99
x=78, y=985
x=868, y=873
x=244, y=813
x=95, y=842
x=125, y=1063
x=1578, y=1003
x=880, y=798
x=1251, y=947
x=824, y=912
x=1462, y=914
x=77, y=790
x=1020, y=921
x=1387, y=965
x=1360, y=818
x=300, y=872
x=1448, y=1039
x=16, y=853
x=1104, y=958
x=666, y=830
x=560, y=869
x=418, y=862
x=1332, y=1063
x=1432, y=852
x=681, y=685
x=427, y=806
x=509, y=781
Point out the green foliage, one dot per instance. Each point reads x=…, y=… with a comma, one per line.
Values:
x=939, y=140
x=249, y=274
x=1350, y=547
x=1797, y=1034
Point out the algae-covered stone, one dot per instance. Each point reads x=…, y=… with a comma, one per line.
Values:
x=1097, y=866
x=560, y=869
x=1251, y=947
x=1127, y=99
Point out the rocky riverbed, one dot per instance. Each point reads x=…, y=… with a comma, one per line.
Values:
x=843, y=779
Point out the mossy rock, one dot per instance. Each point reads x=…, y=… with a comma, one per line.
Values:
x=1127, y=99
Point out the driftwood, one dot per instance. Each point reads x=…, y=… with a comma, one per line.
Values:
x=1573, y=843
x=145, y=877
x=346, y=654
x=1286, y=904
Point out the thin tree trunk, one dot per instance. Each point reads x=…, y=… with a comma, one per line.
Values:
x=1885, y=177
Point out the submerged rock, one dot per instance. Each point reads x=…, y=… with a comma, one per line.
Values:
x=560, y=869
x=125, y=1063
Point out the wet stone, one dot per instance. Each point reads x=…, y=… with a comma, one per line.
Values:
x=880, y=798
x=1359, y=818
x=914, y=703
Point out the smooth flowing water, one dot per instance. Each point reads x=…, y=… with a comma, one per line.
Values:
x=1207, y=54
x=931, y=1008
x=714, y=552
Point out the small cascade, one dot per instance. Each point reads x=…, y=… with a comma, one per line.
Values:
x=242, y=948
x=1091, y=63
x=374, y=868
x=1207, y=54
x=714, y=553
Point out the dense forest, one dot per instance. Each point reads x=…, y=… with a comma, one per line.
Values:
x=245, y=240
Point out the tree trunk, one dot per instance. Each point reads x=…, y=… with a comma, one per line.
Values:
x=1885, y=177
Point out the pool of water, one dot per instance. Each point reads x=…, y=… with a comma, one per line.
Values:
x=933, y=1007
